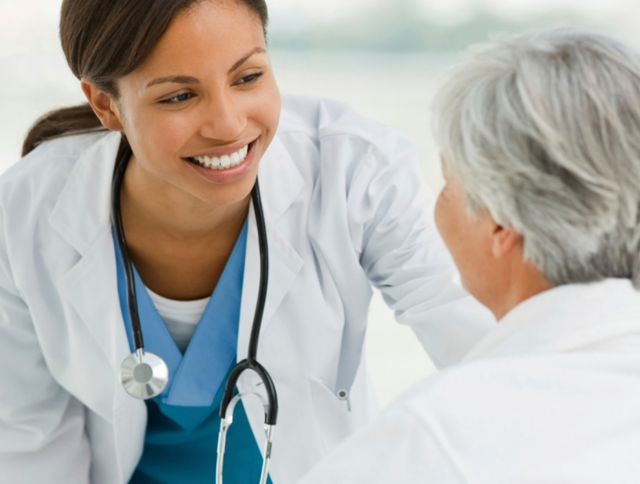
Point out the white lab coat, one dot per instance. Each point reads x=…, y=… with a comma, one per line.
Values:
x=345, y=208
x=551, y=396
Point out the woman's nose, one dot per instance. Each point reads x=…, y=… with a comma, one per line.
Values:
x=223, y=119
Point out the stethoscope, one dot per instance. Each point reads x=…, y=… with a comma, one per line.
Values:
x=144, y=375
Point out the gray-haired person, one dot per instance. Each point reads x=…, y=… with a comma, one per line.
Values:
x=540, y=143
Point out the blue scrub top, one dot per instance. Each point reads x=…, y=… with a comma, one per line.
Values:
x=183, y=423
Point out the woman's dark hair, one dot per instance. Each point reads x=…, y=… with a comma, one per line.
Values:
x=104, y=40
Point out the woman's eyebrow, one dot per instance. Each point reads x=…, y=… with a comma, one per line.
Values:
x=193, y=80
x=257, y=50
x=174, y=79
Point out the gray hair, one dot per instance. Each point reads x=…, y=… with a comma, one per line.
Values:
x=543, y=130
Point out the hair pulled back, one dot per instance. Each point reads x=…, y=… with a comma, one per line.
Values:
x=104, y=40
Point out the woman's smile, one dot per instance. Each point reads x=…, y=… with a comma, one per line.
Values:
x=225, y=165
x=199, y=114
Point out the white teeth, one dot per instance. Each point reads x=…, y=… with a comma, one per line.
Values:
x=224, y=162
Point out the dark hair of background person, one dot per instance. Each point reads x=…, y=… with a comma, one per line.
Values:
x=104, y=40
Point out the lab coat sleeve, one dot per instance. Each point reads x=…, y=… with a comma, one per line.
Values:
x=391, y=223
x=42, y=437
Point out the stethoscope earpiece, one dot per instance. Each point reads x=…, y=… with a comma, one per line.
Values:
x=144, y=375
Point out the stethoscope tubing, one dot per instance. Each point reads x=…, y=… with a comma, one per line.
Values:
x=250, y=362
x=116, y=218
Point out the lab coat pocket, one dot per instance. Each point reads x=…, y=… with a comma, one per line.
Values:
x=333, y=417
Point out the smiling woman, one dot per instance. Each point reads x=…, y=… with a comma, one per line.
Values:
x=193, y=103
x=183, y=117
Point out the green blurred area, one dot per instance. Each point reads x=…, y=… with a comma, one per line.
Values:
x=401, y=26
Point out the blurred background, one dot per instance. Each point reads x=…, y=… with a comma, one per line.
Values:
x=383, y=57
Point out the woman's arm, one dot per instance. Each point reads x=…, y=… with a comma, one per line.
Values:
x=391, y=222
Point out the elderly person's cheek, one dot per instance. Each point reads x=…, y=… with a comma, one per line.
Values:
x=440, y=215
x=462, y=236
x=449, y=218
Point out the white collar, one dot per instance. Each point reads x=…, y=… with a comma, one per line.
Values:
x=564, y=316
x=89, y=187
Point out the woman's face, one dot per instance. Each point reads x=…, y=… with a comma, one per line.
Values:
x=201, y=110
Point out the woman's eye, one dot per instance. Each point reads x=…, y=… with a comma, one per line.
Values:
x=177, y=99
x=250, y=78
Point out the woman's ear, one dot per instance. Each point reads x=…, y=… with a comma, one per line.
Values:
x=504, y=240
x=103, y=105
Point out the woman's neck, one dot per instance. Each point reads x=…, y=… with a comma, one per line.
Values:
x=153, y=206
x=178, y=243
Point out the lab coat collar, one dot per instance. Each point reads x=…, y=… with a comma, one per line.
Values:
x=83, y=211
x=89, y=187
x=280, y=184
x=82, y=216
x=280, y=180
x=88, y=190
x=564, y=317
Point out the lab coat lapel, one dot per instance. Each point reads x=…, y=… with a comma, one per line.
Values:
x=87, y=190
x=89, y=294
x=89, y=289
x=280, y=184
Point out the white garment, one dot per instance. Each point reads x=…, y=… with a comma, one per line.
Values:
x=345, y=208
x=180, y=317
x=552, y=395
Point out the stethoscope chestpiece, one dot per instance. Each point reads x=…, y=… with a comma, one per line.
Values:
x=144, y=375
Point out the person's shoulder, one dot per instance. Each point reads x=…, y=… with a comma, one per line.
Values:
x=52, y=159
x=475, y=392
x=43, y=172
x=327, y=121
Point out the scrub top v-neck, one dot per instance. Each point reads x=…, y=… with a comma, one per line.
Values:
x=183, y=422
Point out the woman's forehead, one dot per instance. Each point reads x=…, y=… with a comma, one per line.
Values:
x=210, y=37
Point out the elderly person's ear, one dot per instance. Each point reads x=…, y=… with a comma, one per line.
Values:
x=504, y=241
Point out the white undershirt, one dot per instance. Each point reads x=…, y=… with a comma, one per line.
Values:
x=180, y=317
